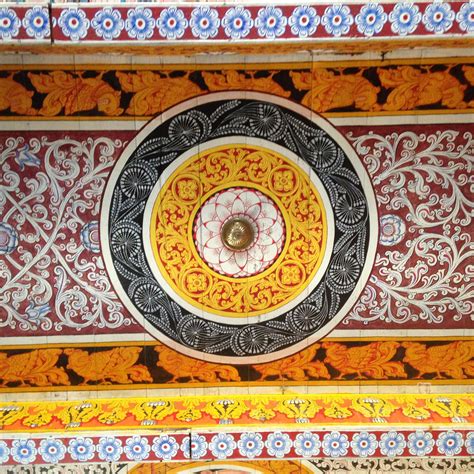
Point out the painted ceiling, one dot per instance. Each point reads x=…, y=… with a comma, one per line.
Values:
x=236, y=263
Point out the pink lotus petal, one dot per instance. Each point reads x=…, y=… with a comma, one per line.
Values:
x=254, y=211
x=241, y=259
x=249, y=198
x=255, y=252
x=211, y=255
x=265, y=223
x=230, y=267
x=264, y=239
x=213, y=226
x=238, y=207
x=269, y=210
x=269, y=252
x=223, y=212
x=225, y=255
x=215, y=242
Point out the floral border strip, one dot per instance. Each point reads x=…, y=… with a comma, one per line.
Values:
x=220, y=23
x=239, y=410
x=248, y=445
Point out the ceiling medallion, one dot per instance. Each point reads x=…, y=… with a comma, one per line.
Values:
x=239, y=227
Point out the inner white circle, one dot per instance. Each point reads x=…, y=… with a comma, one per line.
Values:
x=238, y=141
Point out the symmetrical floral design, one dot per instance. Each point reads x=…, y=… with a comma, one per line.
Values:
x=4, y=452
x=237, y=22
x=405, y=18
x=371, y=19
x=304, y=21
x=250, y=445
x=335, y=444
x=24, y=451
x=278, y=444
x=140, y=23
x=194, y=446
x=270, y=22
x=392, y=229
x=8, y=238
x=307, y=444
x=108, y=23
x=392, y=444
x=222, y=445
x=36, y=23
x=364, y=444
x=81, y=449
x=90, y=236
x=337, y=20
x=73, y=23
x=204, y=22
x=165, y=447
x=9, y=23
x=172, y=23
x=137, y=448
x=438, y=17
x=109, y=449
x=450, y=443
x=420, y=443
x=260, y=211
x=52, y=450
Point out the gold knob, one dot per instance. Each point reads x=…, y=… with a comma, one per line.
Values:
x=237, y=233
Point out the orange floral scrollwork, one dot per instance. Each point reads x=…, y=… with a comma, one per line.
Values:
x=74, y=93
x=182, y=367
x=412, y=88
x=371, y=360
x=15, y=97
x=328, y=90
x=37, y=367
x=155, y=92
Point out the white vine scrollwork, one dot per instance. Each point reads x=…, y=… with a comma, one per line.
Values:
x=428, y=179
x=50, y=190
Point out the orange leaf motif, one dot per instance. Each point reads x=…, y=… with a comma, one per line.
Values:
x=73, y=93
x=328, y=91
x=371, y=360
x=300, y=367
x=182, y=367
x=415, y=88
x=15, y=97
x=153, y=93
x=37, y=367
x=454, y=359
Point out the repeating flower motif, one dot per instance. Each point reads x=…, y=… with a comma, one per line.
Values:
x=335, y=444
x=270, y=22
x=364, y=444
x=81, y=449
x=265, y=219
x=108, y=23
x=250, y=445
x=52, y=450
x=278, y=444
x=405, y=18
x=449, y=443
x=4, y=452
x=109, y=448
x=420, y=443
x=8, y=238
x=465, y=17
x=371, y=19
x=392, y=230
x=204, y=22
x=392, y=444
x=438, y=17
x=194, y=446
x=337, y=20
x=23, y=451
x=304, y=21
x=90, y=236
x=307, y=444
x=222, y=445
x=36, y=22
x=165, y=447
x=172, y=23
x=9, y=23
x=237, y=22
x=73, y=23
x=137, y=448
x=140, y=23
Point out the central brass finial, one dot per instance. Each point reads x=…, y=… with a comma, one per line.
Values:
x=237, y=233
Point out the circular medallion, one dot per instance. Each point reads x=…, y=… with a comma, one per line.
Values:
x=239, y=228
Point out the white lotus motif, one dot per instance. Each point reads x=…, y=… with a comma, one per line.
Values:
x=260, y=212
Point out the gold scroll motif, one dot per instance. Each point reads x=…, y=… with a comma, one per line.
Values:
x=68, y=93
x=15, y=97
x=220, y=168
x=155, y=92
x=117, y=365
x=328, y=90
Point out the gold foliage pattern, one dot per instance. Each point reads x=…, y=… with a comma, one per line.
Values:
x=77, y=93
x=15, y=97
